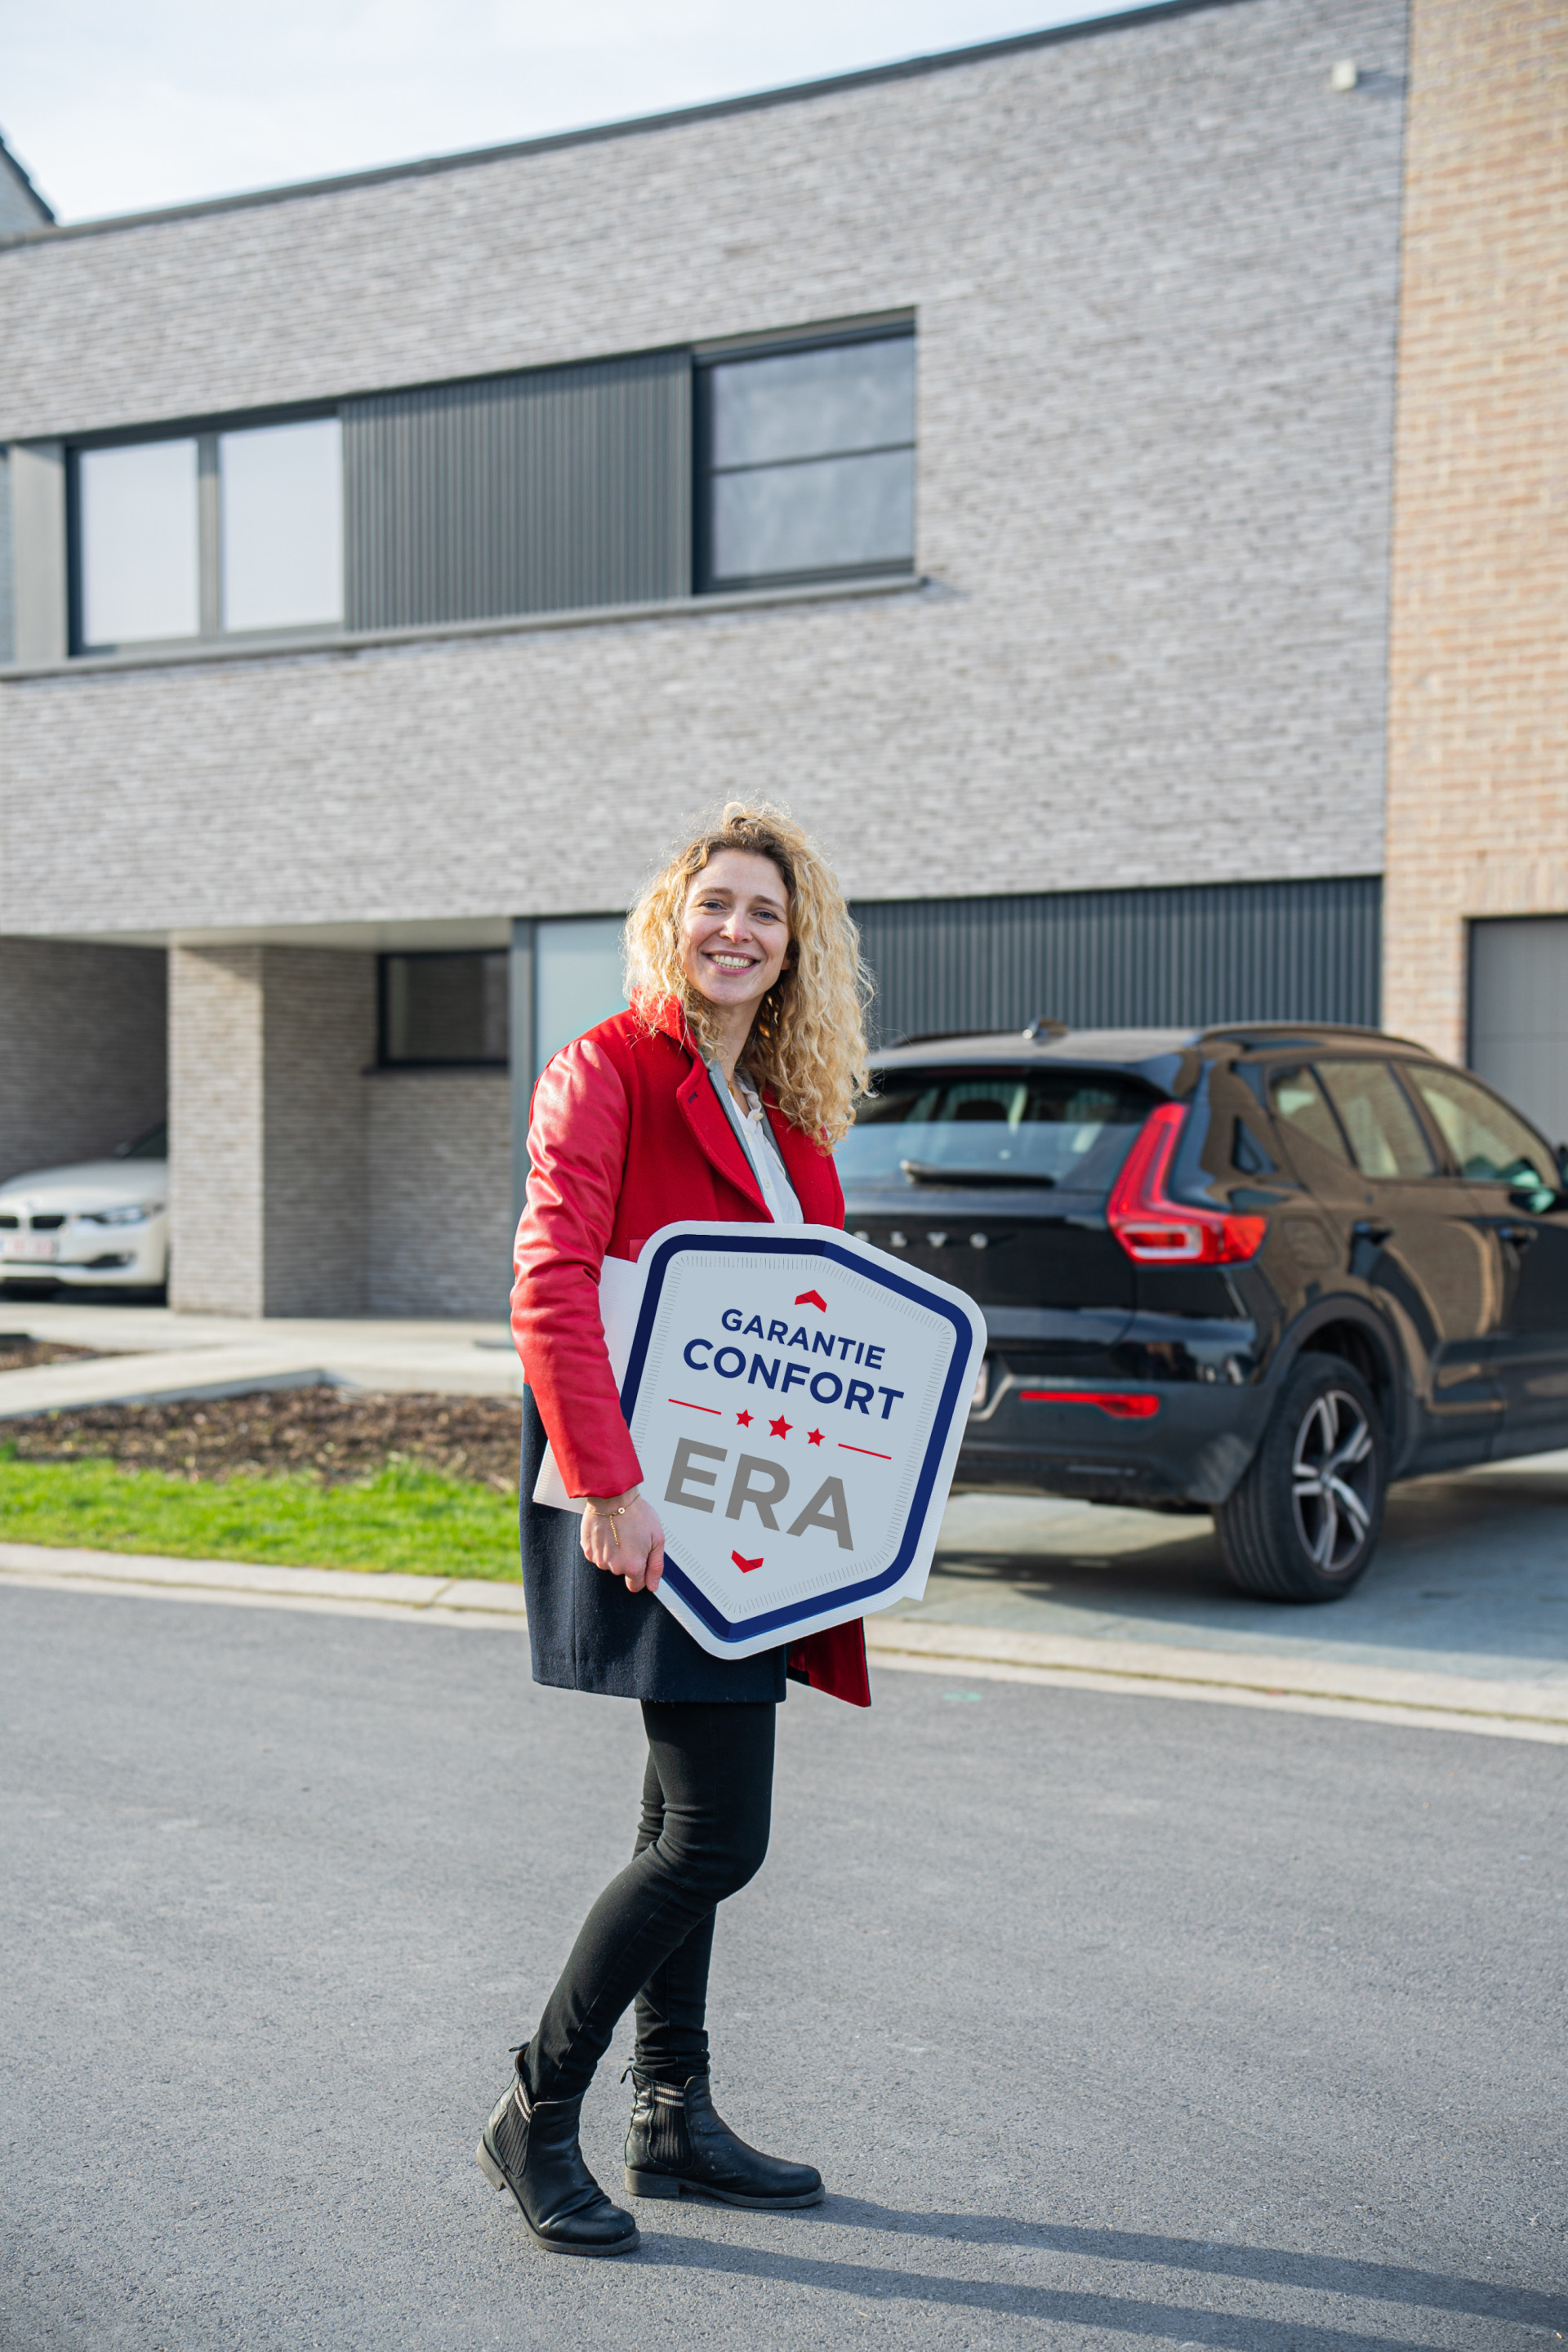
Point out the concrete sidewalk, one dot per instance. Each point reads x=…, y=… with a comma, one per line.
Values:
x=152, y=1355
x=1462, y=1618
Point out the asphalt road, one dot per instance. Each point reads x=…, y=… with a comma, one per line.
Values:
x=1109, y=2020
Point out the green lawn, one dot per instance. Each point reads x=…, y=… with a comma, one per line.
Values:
x=406, y=1518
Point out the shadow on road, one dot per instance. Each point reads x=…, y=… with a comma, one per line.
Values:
x=1266, y=2265
x=1274, y=2266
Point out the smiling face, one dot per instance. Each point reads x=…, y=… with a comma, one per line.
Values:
x=735, y=933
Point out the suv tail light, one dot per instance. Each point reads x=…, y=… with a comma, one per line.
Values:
x=1153, y=1229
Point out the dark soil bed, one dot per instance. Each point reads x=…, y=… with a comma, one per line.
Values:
x=19, y=1354
x=339, y=1433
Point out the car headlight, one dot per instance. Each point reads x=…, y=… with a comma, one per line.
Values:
x=136, y=1212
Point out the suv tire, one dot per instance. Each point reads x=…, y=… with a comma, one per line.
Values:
x=1305, y=1519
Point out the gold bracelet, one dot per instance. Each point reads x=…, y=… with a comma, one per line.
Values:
x=616, y=1511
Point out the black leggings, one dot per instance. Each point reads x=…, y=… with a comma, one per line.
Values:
x=707, y=1801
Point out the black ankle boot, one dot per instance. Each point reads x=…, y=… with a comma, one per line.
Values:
x=530, y=2146
x=677, y=2141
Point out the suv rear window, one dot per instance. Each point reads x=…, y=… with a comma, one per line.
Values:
x=1035, y=1127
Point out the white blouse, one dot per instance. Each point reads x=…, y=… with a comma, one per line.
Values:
x=758, y=1142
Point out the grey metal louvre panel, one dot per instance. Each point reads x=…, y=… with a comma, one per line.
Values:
x=1129, y=959
x=538, y=492
x=1518, y=1013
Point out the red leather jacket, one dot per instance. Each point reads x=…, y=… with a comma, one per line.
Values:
x=626, y=1134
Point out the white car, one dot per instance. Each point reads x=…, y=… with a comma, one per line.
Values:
x=102, y=1224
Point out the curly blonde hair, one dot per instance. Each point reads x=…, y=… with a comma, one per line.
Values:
x=807, y=1046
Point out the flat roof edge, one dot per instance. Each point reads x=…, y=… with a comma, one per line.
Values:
x=633, y=126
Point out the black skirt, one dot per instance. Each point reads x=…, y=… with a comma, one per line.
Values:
x=587, y=1633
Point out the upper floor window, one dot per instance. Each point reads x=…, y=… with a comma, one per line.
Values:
x=139, y=542
x=210, y=534
x=807, y=462
x=542, y=490
x=282, y=525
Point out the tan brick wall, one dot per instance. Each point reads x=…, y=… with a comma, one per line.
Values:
x=1477, y=787
x=267, y=1118
x=216, y=1129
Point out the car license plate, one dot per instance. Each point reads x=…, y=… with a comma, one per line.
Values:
x=30, y=1245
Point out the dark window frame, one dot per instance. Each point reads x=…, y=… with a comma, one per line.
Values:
x=386, y=1061
x=705, y=580
x=206, y=432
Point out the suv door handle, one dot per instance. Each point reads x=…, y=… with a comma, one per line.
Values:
x=1368, y=1229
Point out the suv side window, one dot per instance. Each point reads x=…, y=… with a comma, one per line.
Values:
x=1488, y=1143
x=1299, y=1102
x=1384, y=1135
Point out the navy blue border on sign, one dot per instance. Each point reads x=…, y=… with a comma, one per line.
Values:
x=772, y=1244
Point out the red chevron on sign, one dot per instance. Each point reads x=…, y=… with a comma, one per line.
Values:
x=812, y=1299
x=745, y=1566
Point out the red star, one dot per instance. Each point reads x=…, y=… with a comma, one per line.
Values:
x=744, y=1419
x=780, y=1428
x=814, y=1437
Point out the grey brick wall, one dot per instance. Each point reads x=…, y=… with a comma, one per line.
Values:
x=1154, y=273
x=320, y=1036
x=83, y=1061
x=440, y=1193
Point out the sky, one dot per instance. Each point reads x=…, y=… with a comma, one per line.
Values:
x=117, y=107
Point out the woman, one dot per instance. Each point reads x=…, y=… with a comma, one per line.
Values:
x=719, y=1095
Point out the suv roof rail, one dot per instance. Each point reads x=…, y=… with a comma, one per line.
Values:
x=1277, y=1032
x=931, y=1037
x=1042, y=1027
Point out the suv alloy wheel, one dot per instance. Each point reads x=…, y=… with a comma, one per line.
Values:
x=1305, y=1519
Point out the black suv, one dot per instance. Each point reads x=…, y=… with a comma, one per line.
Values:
x=1259, y=1271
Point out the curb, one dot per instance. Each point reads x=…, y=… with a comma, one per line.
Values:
x=339, y=1592
x=1534, y=1711
x=185, y=1376
x=1239, y=1673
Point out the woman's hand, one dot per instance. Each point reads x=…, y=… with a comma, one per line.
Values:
x=621, y=1533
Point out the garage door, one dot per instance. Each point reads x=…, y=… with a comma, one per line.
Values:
x=1519, y=1016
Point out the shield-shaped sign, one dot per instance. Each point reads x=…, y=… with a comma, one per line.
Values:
x=797, y=1400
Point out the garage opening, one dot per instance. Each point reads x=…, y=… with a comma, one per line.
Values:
x=1519, y=1015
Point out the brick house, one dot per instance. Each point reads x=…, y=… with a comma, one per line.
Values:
x=1477, y=948
x=991, y=455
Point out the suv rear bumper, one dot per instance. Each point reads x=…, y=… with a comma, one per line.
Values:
x=1193, y=1448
